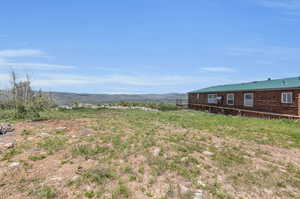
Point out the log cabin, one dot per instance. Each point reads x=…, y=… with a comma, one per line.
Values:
x=278, y=96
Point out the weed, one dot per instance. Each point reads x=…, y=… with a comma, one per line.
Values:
x=128, y=169
x=121, y=191
x=122, y=142
x=88, y=151
x=10, y=154
x=294, y=172
x=60, y=132
x=37, y=157
x=132, y=178
x=141, y=170
x=89, y=194
x=26, y=132
x=46, y=192
x=98, y=176
x=216, y=190
x=228, y=158
x=52, y=144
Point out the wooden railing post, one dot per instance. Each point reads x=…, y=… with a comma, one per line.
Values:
x=242, y=112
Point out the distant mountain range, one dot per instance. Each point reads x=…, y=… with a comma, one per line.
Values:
x=62, y=98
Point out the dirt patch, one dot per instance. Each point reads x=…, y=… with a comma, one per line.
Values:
x=114, y=158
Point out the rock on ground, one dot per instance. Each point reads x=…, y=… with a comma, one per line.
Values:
x=208, y=153
x=14, y=164
x=198, y=194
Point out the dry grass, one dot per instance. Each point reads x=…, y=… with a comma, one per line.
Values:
x=139, y=154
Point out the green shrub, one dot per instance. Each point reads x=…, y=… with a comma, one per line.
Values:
x=152, y=105
x=89, y=194
x=125, y=103
x=46, y=192
x=24, y=111
x=167, y=107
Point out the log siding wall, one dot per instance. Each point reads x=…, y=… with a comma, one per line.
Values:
x=299, y=103
x=266, y=101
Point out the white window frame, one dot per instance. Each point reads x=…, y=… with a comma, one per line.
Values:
x=247, y=102
x=285, y=99
x=212, y=98
x=228, y=96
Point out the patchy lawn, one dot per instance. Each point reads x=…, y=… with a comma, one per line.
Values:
x=142, y=154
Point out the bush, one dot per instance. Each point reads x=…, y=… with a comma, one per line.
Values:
x=167, y=107
x=24, y=102
x=125, y=103
x=153, y=105
x=22, y=112
x=162, y=106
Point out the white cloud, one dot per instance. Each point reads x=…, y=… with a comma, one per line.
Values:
x=21, y=53
x=46, y=80
x=287, y=8
x=283, y=4
x=267, y=55
x=35, y=66
x=118, y=83
x=275, y=51
x=60, y=79
x=217, y=69
x=6, y=55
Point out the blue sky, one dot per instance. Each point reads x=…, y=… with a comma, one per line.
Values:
x=143, y=46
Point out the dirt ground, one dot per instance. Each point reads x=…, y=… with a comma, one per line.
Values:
x=40, y=160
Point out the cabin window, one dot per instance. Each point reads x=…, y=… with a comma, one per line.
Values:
x=248, y=99
x=230, y=99
x=287, y=98
x=198, y=95
x=212, y=98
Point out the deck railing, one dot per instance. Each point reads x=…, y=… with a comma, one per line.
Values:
x=241, y=112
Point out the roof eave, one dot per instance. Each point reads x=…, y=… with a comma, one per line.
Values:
x=249, y=90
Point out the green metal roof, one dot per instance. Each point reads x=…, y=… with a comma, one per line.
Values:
x=276, y=84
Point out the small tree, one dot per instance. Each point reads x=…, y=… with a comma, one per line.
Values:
x=26, y=102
